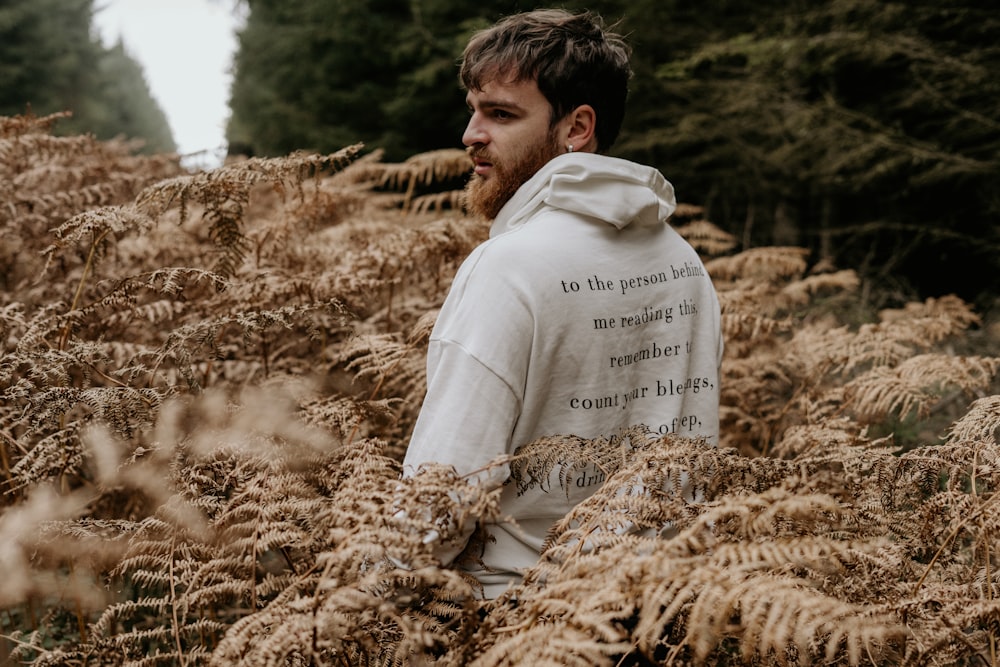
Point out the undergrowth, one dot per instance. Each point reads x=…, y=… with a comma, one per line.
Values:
x=208, y=383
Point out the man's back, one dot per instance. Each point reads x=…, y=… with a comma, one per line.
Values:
x=583, y=314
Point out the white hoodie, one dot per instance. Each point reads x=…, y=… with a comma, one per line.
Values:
x=583, y=313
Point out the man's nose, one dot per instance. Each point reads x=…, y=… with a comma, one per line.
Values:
x=474, y=132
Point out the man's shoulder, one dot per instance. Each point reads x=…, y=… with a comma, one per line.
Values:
x=512, y=243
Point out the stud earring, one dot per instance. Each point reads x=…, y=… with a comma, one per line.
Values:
x=570, y=148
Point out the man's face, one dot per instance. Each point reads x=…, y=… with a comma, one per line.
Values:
x=509, y=137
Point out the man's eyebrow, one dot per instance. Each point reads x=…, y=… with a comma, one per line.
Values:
x=498, y=103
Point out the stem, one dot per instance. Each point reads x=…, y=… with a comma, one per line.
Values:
x=81, y=622
x=951, y=536
x=264, y=353
x=79, y=288
x=388, y=308
x=4, y=458
x=986, y=558
x=173, y=606
x=253, y=572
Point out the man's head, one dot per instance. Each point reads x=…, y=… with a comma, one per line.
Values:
x=539, y=84
x=571, y=57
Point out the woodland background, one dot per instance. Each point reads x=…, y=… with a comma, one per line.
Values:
x=208, y=378
x=865, y=131
x=51, y=59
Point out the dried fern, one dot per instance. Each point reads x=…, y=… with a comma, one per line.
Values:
x=225, y=195
x=208, y=385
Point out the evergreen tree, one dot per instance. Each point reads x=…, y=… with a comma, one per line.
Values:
x=866, y=130
x=48, y=61
x=51, y=62
x=129, y=107
x=313, y=75
x=322, y=74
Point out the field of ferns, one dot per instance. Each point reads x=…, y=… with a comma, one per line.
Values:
x=208, y=379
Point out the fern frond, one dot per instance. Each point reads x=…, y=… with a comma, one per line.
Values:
x=390, y=368
x=802, y=291
x=556, y=642
x=768, y=264
x=29, y=123
x=225, y=194
x=934, y=318
x=916, y=383
x=425, y=168
x=781, y=614
x=706, y=237
x=962, y=632
x=362, y=607
x=52, y=456
x=38, y=147
x=979, y=424
x=440, y=201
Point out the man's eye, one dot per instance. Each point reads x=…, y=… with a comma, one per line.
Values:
x=500, y=114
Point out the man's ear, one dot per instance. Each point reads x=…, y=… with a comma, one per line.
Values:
x=580, y=127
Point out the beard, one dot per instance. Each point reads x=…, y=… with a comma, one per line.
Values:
x=486, y=196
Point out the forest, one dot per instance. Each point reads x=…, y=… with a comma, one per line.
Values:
x=208, y=377
x=865, y=131
x=52, y=61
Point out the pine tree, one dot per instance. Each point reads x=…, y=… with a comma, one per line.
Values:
x=50, y=62
x=129, y=107
x=321, y=74
x=872, y=124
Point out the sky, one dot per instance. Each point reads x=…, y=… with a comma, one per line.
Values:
x=185, y=48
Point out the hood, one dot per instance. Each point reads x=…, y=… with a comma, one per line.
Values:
x=613, y=190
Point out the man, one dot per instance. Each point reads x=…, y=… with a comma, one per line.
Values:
x=584, y=312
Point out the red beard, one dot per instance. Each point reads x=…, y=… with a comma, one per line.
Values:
x=486, y=196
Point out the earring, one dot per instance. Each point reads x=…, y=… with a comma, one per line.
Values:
x=570, y=148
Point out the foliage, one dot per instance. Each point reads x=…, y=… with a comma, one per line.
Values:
x=128, y=105
x=864, y=131
x=209, y=380
x=317, y=75
x=50, y=62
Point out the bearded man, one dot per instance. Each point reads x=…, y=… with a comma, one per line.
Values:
x=585, y=312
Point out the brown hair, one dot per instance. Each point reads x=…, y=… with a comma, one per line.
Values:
x=572, y=57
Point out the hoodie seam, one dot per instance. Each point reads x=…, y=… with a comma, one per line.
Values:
x=482, y=364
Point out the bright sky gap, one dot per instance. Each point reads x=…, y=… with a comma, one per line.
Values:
x=185, y=48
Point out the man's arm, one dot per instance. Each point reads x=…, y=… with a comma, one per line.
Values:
x=466, y=422
x=467, y=416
